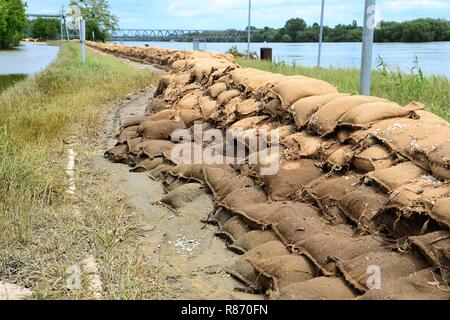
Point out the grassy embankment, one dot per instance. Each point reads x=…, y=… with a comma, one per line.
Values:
x=43, y=230
x=9, y=80
x=388, y=83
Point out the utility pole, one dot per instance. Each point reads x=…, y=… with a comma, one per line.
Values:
x=367, y=47
x=248, y=31
x=83, y=39
x=62, y=22
x=319, y=56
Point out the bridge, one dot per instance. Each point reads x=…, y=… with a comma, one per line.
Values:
x=43, y=15
x=177, y=35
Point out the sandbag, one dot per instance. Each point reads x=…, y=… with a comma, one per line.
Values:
x=273, y=108
x=291, y=177
x=159, y=172
x=159, y=130
x=134, y=121
x=373, y=158
x=326, y=118
x=118, y=154
x=216, y=89
x=390, y=264
x=325, y=250
x=275, y=273
x=252, y=239
x=305, y=145
x=423, y=285
x=392, y=178
x=320, y=288
x=207, y=106
x=155, y=148
x=183, y=195
x=340, y=158
x=441, y=212
x=432, y=246
x=291, y=90
x=233, y=229
x=168, y=114
x=243, y=196
x=189, y=172
x=190, y=116
x=439, y=160
x=243, y=270
x=248, y=107
x=147, y=164
x=303, y=109
x=220, y=217
x=226, y=96
x=128, y=133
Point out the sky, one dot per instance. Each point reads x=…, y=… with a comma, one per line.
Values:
x=223, y=14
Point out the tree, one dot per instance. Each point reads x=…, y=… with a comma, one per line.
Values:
x=45, y=29
x=286, y=38
x=12, y=22
x=294, y=25
x=98, y=17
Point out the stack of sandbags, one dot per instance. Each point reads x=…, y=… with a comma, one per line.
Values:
x=360, y=194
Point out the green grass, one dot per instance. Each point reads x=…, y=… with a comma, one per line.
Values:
x=9, y=80
x=40, y=232
x=388, y=83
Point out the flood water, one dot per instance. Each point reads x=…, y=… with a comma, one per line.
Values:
x=27, y=58
x=432, y=57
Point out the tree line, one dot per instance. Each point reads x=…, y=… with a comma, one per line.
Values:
x=12, y=22
x=297, y=30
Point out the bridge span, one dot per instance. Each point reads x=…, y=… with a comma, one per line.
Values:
x=177, y=35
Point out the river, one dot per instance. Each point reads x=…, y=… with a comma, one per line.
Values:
x=433, y=57
x=27, y=58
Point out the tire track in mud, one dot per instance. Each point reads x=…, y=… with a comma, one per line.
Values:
x=190, y=258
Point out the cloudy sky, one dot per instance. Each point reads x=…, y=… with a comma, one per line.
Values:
x=222, y=14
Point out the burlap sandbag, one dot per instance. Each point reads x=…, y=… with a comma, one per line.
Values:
x=148, y=164
x=305, y=145
x=183, y=195
x=391, y=265
x=159, y=130
x=118, y=154
x=128, y=133
x=226, y=96
x=362, y=205
x=428, y=117
x=423, y=285
x=291, y=90
x=168, y=114
x=341, y=158
x=189, y=172
x=207, y=106
x=252, y=239
x=326, y=118
x=134, y=121
x=275, y=273
x=325, y=250
x=243, y=270
x=189, y=100
x=394, y=177
x=439, y=160
x=432, y=246
x=155, y=148
x=320, y=288
x=160, y=172
x=216, y=89
x=248, y=107
x=327, y=191
x=291, y=177
x=303, y=109
x=242, y=197
x=188, y=117
x=220, y=217
x=273, y=108
x=233, y=229
x=441, y=212
x=368, y=113
x=133, y=145
x=247, y=123
x=373, y=158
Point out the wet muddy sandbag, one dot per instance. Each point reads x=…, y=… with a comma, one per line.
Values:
x=220, y=217
x=118, y=154
x=134, y=145
x=275, y=273
x=158, y=173
x=368, y=113
x=128, y=133
x=216, y=89
x=418, y=196
x=392, y=265
x=327, y=118
x=325, y=250
x=226, y=96
x=392, y=178
x=252, y=239
x=148, y=164
x=293, y=89
x=305, y=145
x=441, y=212
x=223, y=179
x=189, y=172
x=303, y=109
x=432, y=246
x=183, y=195
x=155, y=105
x=243, y=270
x=362, y=205
x=327, y=191
x=155, y=148
x=320, y=288
x=373, y=158
x=262, y=215
x=233, y=229
x=134, y=121
x=159, y=130
x=423, y=285
x=291, y=177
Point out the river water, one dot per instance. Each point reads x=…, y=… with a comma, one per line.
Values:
x=27, y=58
x=432, y=57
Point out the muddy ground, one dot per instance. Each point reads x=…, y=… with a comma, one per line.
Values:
x=191, y=259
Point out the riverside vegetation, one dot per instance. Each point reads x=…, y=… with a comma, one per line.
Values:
x=43, y=230
x=387, y=82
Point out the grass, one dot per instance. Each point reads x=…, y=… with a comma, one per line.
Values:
x=43, y=230
x=387, y=82
x=9, y=80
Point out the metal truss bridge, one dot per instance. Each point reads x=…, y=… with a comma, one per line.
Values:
x=177, y=35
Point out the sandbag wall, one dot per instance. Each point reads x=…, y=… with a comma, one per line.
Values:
x=361, y=200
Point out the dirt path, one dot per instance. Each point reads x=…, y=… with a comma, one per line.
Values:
x=190, y=257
